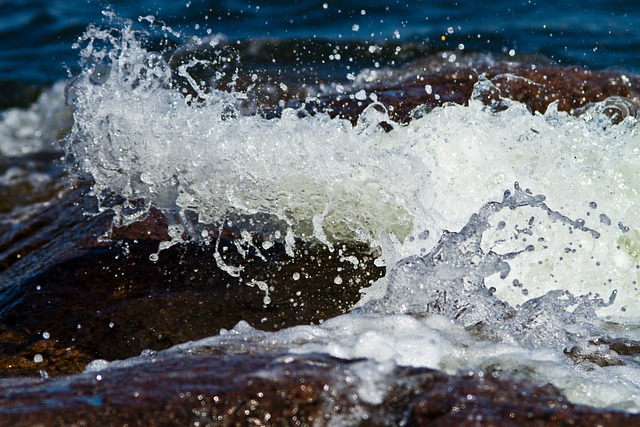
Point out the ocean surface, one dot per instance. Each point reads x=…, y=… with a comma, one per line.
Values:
x=36, y=36
x=523, y=226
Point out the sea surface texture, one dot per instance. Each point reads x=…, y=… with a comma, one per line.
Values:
x=319, y=213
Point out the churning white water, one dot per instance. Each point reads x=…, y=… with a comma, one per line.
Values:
x=509, y=238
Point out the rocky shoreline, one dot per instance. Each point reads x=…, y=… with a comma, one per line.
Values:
x=67, y=298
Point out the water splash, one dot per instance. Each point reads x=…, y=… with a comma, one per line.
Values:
x=140, y=138
x=450, y=281
x=149, y=131
x=522, y=286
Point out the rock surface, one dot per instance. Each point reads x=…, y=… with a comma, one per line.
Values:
x=282, y=389
x=537, y=87
x=108, y=300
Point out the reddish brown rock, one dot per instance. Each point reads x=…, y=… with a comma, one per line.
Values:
x=504, y=401
x=101, y=299
x=535, y=85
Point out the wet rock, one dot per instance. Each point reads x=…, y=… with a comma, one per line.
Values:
x=535, y=85
x=504, y=401
x=106, y=299
x=624, y=347
x=222, y=390
x=598, y=356
x=282, y=389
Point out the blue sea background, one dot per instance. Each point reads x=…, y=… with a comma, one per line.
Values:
x=36, y=35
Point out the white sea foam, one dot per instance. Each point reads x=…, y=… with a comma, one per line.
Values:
x=38, y=128
x=561, y=246
x=138, y=137
x=144, y=141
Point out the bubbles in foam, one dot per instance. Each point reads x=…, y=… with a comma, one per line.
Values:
x=451, y=281
x=570, y=160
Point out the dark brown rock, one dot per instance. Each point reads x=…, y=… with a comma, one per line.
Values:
x=223, y=390
x=101, y=299
x=504, y=401
x=282, y=389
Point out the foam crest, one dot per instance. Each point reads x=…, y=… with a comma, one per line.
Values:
x=139, y=138
x=582, y=167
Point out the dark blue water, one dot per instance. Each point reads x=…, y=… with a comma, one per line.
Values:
x=36, y=35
